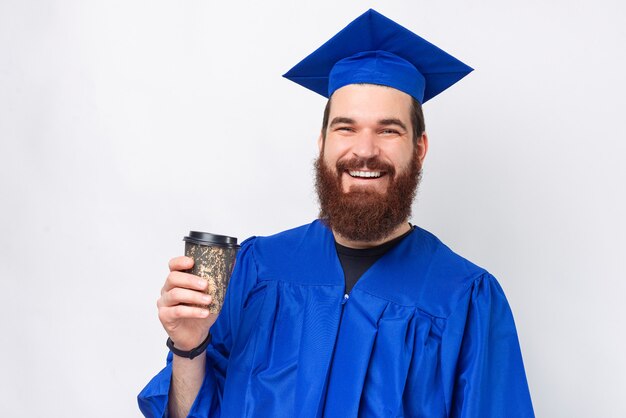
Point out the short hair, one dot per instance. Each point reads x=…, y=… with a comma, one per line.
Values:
x=417, y=119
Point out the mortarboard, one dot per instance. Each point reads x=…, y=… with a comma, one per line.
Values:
x=376, y=50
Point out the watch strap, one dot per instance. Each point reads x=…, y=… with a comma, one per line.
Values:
x=191, y=354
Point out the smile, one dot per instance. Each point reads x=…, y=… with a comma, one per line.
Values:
x=365, y=174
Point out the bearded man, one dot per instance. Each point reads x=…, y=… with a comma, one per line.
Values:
x=358, y=313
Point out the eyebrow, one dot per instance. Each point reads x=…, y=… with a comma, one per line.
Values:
x=341, y=119
x=392, y=121
x=383, y=122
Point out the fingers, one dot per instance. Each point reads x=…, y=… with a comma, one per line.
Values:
x=184, y=280
x=180, y=263
x=169, y=315
x=179, y=295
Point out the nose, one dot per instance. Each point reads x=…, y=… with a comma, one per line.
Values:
x=366, y=145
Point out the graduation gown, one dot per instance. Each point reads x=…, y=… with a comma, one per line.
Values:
x=423, y=333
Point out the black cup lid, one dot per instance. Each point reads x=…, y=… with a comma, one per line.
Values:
x=205, y=238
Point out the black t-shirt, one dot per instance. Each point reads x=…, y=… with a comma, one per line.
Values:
x=356, y=261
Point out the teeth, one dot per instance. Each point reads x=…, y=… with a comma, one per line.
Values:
x=365, y=174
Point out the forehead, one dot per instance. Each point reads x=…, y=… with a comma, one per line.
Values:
x=370, y=102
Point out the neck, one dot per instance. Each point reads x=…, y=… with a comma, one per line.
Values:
x=403, y=228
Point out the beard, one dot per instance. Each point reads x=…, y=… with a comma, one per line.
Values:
x=364, y=214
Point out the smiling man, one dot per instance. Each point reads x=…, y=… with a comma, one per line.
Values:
x=360, y=313
x=369, y=164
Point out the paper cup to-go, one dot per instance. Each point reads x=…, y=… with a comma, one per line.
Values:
x=214, y=258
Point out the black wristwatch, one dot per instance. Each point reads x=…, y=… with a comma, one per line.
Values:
x=192, y=353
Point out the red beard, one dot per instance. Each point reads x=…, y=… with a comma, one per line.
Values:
x=362, y=214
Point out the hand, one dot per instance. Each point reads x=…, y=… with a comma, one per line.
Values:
x=186, y=325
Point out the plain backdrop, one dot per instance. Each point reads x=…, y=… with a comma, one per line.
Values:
x=124, y=124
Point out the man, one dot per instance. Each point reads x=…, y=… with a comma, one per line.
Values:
x=358, y=313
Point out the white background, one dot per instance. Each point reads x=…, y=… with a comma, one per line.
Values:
x=124, y=124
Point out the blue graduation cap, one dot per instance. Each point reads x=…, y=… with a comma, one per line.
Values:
x=376, y=50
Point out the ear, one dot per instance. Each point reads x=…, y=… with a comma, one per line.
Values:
x=320, y=143
x=422, y=147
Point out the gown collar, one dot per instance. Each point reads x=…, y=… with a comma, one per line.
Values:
x=393, y=276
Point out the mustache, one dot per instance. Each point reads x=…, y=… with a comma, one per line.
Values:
x=372, y=163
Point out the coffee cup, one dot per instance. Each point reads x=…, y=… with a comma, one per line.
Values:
x=214, y=259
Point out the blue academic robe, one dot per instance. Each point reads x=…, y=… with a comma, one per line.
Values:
x=423, y=333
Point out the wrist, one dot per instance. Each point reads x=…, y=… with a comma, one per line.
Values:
x=192, y=353
x=186, y=345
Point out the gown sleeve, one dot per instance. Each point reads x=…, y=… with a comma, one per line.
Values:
x=482, y=361
x=153, y=399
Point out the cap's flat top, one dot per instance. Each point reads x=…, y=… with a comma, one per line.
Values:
x=371, y=32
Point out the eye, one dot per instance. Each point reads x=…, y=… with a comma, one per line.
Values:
x=345, y=128
x=390, y=131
